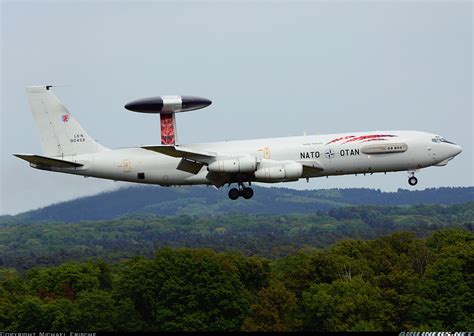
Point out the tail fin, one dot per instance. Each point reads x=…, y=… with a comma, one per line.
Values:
x=61, y=135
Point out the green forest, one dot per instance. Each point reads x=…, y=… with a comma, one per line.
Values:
x=203, y=201
x=392, y=283
x=24, y=244
x=358, y=268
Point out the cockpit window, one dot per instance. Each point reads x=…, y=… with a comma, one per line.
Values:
x=438, y=139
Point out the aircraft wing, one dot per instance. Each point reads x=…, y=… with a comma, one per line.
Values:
x=182, y=152
x=42, y=161
x=191, y=160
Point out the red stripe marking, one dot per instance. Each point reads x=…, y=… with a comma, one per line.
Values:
x=338, y=139
x=370, y=136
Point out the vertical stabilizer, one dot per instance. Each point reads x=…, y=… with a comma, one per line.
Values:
x=60, y=133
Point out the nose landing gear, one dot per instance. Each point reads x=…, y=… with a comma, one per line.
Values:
x=412, y=180
x=245, y=192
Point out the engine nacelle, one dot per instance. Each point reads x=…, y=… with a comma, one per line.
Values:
x=244, y=164
x=287, y=172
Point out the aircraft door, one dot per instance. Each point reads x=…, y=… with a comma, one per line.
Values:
x=127, y=166
x=263, y=153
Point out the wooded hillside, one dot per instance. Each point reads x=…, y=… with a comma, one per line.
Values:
x=394, y=283
x=28, y=244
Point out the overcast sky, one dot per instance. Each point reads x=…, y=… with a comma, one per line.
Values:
x=271, y=69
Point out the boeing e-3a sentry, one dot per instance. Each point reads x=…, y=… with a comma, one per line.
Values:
x=69, y=149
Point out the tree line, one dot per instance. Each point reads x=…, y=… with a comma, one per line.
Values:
x=24, y=245
x=392, y=283
x=202, y=200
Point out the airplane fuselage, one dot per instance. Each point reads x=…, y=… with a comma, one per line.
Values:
x=69, y=149
x=332, y=154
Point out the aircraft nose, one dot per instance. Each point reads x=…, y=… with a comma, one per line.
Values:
x=456, y=150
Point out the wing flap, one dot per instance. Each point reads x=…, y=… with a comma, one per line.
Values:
x=312, y=165
x=44, y=161
x=189, y=166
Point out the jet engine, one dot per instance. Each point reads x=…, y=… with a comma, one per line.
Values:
x=244, y=164
x=287, y=172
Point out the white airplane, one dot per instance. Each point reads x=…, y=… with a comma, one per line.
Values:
x=69, y=149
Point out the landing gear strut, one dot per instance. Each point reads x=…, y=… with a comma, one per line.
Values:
x=412, y=180
x=245, y=192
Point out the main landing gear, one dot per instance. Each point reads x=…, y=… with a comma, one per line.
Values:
x=245, y=192
x=412, y=180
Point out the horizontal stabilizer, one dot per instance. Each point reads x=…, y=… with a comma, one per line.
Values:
x=44, y=161
x=182, y=152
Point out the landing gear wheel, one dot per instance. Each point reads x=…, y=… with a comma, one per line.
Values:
x=247, y=193
x=412, y=181
x=234, y=193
